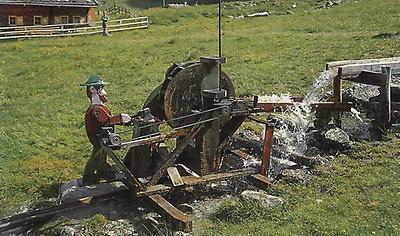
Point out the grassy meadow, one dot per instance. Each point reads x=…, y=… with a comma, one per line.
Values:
x=42, y=136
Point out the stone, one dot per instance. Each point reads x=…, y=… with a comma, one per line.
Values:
x=180, y=233
x=337, y=136
x=152, y=218
x=186, y=208
x=305, y=160
x=296, y=176
x=278, y=165
x=328, y=4
x=265, y=13
x=289, y=12
x=67, y=231
x=261, y=196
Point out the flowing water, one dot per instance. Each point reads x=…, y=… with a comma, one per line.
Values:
x=291, y=132
x=317, y=89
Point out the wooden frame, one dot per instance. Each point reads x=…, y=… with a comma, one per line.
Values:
x=15, y=20
x=37, y=17
x=76, y=17
x=62, y=19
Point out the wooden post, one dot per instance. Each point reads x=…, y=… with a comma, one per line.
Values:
x=266, y=159
x=385, y=97
x=337, y=86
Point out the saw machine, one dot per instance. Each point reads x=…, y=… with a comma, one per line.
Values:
x=197, y=103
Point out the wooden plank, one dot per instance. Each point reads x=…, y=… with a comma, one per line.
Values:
x=179, y=220
x=334, y=65
x=191, y=180
x=355, y=69
x=131, y=181
x=260, y=181
x=369, y=77
x=175, y=177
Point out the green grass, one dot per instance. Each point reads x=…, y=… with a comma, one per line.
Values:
x=42, y=136
x=354, y=195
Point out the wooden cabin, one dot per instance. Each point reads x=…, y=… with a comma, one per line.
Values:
x=46, y=12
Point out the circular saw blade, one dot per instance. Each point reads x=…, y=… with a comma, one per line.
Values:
x=183, y=93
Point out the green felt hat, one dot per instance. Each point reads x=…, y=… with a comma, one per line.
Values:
x=94, y=80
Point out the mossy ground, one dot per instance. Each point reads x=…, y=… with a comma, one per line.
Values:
x=42, y=137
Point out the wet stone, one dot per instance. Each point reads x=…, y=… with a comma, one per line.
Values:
x=186, y=208
x=337, y=137
x=152, y=218
x=296, y=176
x=261, y=196
x=67, y=231
x=306, y=160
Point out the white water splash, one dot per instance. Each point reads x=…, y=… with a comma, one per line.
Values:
x=317, y=89
x=291, y=134
x=284, y=98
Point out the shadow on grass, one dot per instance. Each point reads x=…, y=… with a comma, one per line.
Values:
x=386, y=35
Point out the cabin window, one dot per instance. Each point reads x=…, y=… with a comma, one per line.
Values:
x=20, y=20
x=64, y=19
x=57, y=20
x=44, y=20
x=37, y=20
x=76, y=19
x=12, y=20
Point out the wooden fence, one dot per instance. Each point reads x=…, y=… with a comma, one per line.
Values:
x=42, y=31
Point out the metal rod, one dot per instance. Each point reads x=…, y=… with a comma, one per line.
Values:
x=175, y=119
x=157, y=137
x=219, y=42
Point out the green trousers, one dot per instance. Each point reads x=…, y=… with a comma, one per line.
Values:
x=96, y=166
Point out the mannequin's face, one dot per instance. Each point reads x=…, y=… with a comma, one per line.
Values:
x=98, y=95
x=102, y=94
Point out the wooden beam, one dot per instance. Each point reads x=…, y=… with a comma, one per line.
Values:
x=175, y=177
x=260, y=181
x=369, y=77
x=335, y=64
x=355, y=69
x=179, y=220
x=385, y=97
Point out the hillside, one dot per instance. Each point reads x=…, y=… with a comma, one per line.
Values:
x=42, y=136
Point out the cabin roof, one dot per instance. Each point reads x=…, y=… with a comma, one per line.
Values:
x=51, y=3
